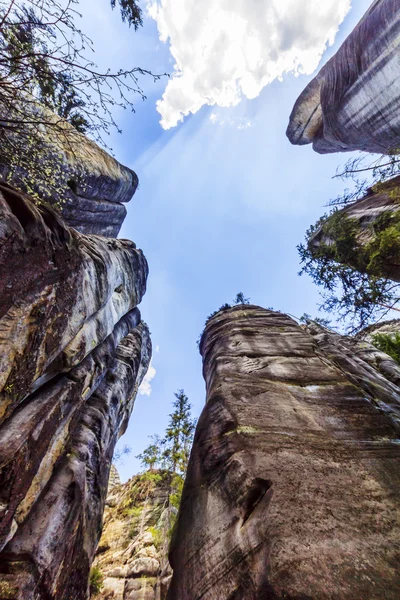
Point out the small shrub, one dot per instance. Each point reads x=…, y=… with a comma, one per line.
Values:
x=96, y=579
x=157, y=536
x=388, y=343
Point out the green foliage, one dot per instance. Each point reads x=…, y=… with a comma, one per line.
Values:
x=152, y=455
x=46, y=62
x=171, y=452
x=353, y=275
x=171, y=455
x=179, y=434
x=240, y=299
x=389, y=344
x=176, y=490
x=130, y=12
x=96, y=579
x=157, y=536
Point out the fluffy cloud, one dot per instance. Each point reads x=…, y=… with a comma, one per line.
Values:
x=145, y=387
x=227, y=49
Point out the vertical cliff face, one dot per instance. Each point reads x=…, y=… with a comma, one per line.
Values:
x=293, y=484
x=353, y=102
x=132, y=555
x=73, y=352
x=364, y=235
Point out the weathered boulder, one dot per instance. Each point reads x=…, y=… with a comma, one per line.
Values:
x=73, y=352
x=132, y=556
x=364, y=235
x=74, y=176
x=353, y=102
x=293, y=486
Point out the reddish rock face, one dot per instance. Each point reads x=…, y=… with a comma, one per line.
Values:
x=353, y=102
x=293, y=488
x=73, y=351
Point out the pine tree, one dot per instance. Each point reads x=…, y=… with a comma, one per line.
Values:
x=171, y=453
x=179, y=434
x=152, y=456
x=240, y=299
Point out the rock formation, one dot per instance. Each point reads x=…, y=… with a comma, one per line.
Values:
x=85, y=184
x=133, y=551
x=293, y=487
x=383, y=327
x=73, y=351
x=353, y=102
x=364, y=235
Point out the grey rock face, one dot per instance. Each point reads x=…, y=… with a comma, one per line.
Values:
x=88, y=187
x=293, y=483
x=73, y=353
x=353, y=102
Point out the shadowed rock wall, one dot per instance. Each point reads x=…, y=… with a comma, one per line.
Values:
x=73, y=351
x=293, y=485
x=353, y=103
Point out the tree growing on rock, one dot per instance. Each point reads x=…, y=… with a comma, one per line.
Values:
x=350, y=275
x=240, y=299
x=46, y=72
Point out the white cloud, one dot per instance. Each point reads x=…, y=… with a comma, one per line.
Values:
x=145, y=387
x=227, y=49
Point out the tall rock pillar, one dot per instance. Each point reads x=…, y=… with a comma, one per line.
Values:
x=293, y=487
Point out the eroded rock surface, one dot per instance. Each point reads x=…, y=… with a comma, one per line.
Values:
x=79, y=180
x=353, y=102
x=133, y=551
x=73, y=351
x=364, y=235
x=293, y=487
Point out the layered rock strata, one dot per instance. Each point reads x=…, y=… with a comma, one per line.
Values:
x=293, y=487
x=353, y=102
x=73, y=351
x=74, y=176
x=364, y=235
x=132, y=556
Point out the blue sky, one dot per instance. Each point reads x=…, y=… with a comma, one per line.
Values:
x=223, y=201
